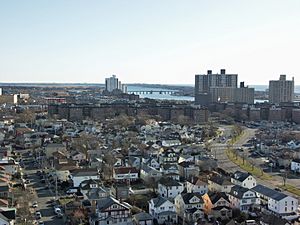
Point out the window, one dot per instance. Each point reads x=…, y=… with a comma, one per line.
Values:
x=285, y=209
x=107, y=222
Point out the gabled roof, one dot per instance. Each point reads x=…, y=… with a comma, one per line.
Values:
x=105, y=203
x=238, y=191
x=220, y=180
x=240, y=176
x=84, y=172
x=159, y=201
x=168, y=182
x=296, y=160
x=188, y=196
x=263, y=190
x=215, y=197
x=125, y=170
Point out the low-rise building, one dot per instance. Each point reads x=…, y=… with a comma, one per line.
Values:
x=242, y=198
x=277, y=202
x=169, y=188
x=163, y=210
x=245, y=180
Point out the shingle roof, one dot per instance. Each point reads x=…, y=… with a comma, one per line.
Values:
x=238, y=191
x=143, y=216
x=217, y=196
x=240, y=176
x=276, y=195
x=159, y=201
x=169, y=182
x=188, y=196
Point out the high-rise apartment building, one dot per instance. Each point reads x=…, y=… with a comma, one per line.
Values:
x=112, y=83
x=221, y=87
x=281, y=90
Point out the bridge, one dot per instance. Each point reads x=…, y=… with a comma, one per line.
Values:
x=151, y=92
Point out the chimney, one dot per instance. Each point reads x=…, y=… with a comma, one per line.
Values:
x=242, y=84
x=209, y=71
x=223, y=71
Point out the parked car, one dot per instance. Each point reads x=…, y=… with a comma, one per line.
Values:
x=35, y=205
x=57, y=210
x=38, y=215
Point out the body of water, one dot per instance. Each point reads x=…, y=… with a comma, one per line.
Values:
x=156, y=95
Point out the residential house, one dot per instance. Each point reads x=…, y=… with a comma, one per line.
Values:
x=217, y=205
x=134, y=161
x=153, y=162
x=218, y=183
x=168, y=156
x=242, y=198
x=142, y=218
x=125, y=174
x=111, y=211
x=275, y=201
x=245, y=180
x=295, y=165
x=4, y=190
x=162, y=210
x=188, y=169
x=78, y=156
x=170, y=143
x=149, y=173
x=7, y=216
x=196, y=185
x=80, y=175
x=169, y=188
x=54, y=147
x=189, y=206
x=120, y=190
x=10, y=166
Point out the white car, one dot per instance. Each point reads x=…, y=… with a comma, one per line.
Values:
x=57, y=210
x=35, y=205
x=38, y=215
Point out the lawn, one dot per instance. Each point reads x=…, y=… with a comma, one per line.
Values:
x=290, y=188
x=247, y=166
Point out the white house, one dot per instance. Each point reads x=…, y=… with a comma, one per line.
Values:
x=242, y=198
x=170, y=143
x=125, y=174
x=295, y=165
x=277, y=202
x=81, y=175
x=10, y=165
x=163, y=210
x=169, y=188
x=189, y=206
x=195, y=185
x=245, y=180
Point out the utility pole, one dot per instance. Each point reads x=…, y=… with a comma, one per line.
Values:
x=56, y=187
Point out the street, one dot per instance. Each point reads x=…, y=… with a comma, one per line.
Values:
x=44, y=195
x=219, y=149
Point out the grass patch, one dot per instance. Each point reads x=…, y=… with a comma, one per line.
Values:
x=291, y=189
x=245, y=165
x=64, y=201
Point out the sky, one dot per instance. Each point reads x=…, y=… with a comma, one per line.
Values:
x=148, y=41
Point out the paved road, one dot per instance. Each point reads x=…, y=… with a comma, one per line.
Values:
x=229, y=166
x=44, y=194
